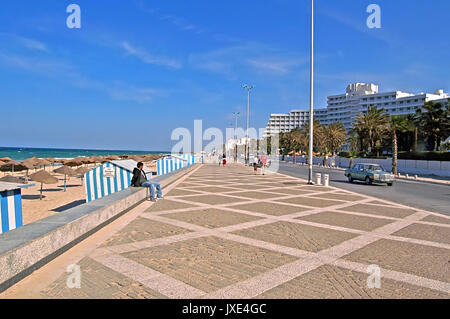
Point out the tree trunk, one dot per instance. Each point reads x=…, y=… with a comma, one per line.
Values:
x=416, y=138
x=394, y=153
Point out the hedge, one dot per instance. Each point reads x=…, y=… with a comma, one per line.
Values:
x=425, y=156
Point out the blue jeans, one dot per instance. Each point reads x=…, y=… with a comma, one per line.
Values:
x=151, y=186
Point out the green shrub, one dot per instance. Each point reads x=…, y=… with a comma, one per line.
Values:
x=425, y=156
x=345, y=154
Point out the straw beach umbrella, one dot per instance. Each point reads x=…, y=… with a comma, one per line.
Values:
x=66, y=171
x=29, y=165
x=53, y=160
x=73, y=162
x=5, y=159
x=12, y=166
x=112, y=158
x=81, y=171
x=44, y=178
x=11, y=179
x=44, y=162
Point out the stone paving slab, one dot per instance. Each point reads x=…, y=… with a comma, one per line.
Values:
x=275, y=209
x=209, y=263
x=212, y=218
x=420, y=260
x=142, y=229
x=331, y=282
x=426, y=232
x=100, y=282
x=346, y=220
x=298, y=236
x=380, y=210
x=223, y=232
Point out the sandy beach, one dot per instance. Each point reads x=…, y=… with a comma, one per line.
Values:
x=54, y=200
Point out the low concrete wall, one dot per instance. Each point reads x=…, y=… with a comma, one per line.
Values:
x=26, y=249
x=404, y=166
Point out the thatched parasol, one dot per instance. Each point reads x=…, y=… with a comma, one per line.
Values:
x=28, y=164
x=112, y=158
x=11, y=179
x=5, y=159
x=124, y=156
x=31, y=162
x=66, y=171
x=81, y=171
x=95, y=159
x=72, y=163
x=44, y=162
x=13, y=166
x=44, y=178
x=2, y=163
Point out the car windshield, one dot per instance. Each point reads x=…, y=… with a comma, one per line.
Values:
x=374, y=167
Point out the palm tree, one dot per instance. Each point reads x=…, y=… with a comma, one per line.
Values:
x=374, y=125
x=398, y=124
x=434, y=121
x=318, y=139
x=335, y=136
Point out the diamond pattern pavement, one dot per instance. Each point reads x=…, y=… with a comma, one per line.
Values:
x=223, y=232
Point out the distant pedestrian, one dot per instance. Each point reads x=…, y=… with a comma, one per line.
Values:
x=263, y=164
x=224, y=159
x=220, y=160
x=255, y=165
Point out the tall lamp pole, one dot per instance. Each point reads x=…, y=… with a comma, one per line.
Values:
x=311, y=99
x=236, y=115
x=247, y=148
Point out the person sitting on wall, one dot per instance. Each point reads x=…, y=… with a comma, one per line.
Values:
x=140, y=180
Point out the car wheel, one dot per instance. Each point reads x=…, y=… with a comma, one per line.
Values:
x=390, y=184
x=368, y=181
x=350, y=179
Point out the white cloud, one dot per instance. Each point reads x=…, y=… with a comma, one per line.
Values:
x=131, y=93
x=27, y=43
x=276, y=65
x=254, y=57
x=65, y=72
x=149, y=58
x=33, y=44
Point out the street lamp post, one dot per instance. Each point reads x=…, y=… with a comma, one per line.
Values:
x=236, y=115
x=311, y=99
x=247, y=147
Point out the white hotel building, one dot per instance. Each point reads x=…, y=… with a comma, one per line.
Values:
x=346, y=107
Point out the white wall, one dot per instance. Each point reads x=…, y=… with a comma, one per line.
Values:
x=404, y=166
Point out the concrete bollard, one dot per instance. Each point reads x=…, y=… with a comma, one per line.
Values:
x=318, y=179
x=326, y=180
x=416, y=177
x=407, y=176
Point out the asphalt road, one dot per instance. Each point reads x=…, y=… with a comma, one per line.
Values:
x=427, y=196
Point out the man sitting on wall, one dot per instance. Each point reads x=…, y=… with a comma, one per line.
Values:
x=140, y=180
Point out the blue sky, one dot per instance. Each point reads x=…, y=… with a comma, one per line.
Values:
x=138, y=69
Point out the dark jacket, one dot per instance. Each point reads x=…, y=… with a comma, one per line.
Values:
x=138, y=178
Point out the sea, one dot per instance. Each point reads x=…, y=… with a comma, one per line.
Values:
x=22, y=153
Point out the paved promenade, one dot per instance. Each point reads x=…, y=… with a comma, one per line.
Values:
x=226, y=233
